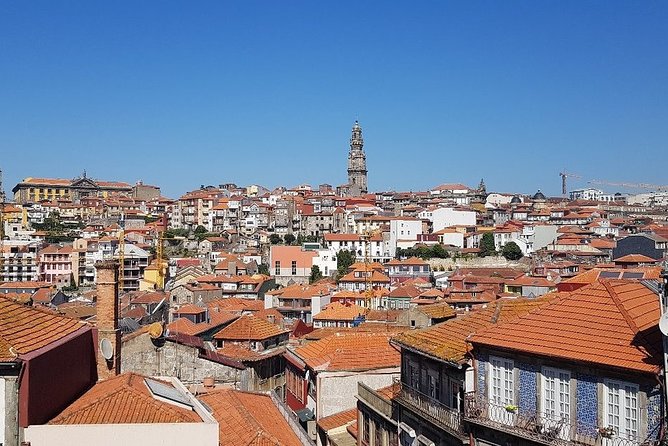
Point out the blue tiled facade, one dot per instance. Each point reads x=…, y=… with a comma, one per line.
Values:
x=527, y=390
x=483, y=359
x=587, y=403
x=653, y=413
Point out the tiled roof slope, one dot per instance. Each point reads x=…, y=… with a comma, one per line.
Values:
x=121, y=400
x=447, y=340
x=350, y=352
x=248, y=419
x=337, y=311
x=25, y=329
x=249, y=328
x=611, y=322
x=338, y=419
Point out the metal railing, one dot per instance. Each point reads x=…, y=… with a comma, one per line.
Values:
x=432, y=409
x=557, y=431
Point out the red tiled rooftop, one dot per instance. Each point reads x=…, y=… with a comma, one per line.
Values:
x=246, y=419
x=249, y=328
x=611, y=323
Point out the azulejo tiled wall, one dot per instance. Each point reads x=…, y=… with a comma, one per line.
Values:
x=653, y=412
x=587, y=403
x=483, y=359
x=527, y=391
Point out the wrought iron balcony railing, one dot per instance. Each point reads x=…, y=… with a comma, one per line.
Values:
x=557, y=431
x=446, y=417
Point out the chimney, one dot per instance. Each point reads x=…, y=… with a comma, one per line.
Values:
x=232, y=268
x=108, y=333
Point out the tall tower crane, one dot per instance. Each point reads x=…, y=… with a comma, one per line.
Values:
x=563, y=176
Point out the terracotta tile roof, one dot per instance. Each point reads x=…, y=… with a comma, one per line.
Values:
x=367, y=327
x=447, y=340
x=390, y=391
x=249, y=328
x=376, y=276
x=190, y=309
x=432, y=293
x=611, y=322
x=338, y=419
x=382, y=315
x=635, y=258
x=124, y=399
x=242, y=352
x=350, y=351
x=25, y=329
x=236, y=304
x=249, y=419
x=409, y=261
x=438, y=311
x=337, y=311
x=150, y=297
x=591, y=276
x=406, y=291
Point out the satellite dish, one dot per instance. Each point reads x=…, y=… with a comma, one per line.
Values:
x=155, y=330
x=663, y=324
x=107, y=349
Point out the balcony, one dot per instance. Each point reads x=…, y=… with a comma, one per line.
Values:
x=541, y=429
x=372, y=399
x=432, y=410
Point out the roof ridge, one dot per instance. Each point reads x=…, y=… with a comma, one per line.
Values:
x=620, y=306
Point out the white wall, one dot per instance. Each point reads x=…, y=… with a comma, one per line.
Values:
x=403, y=230
x=453, y=238
x=446, y=217
x=143, y=434
x=337, y=391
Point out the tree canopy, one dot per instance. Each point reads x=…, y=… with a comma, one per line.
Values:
x=487, y=245
x=511, y=251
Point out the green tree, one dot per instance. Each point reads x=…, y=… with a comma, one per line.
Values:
x=511, y=251
x=344, y=259
x=200, y=230
x=316, y=274
x=439, y=252
x=289, y=239
x=487, y=246
x=311, y=239
x=275, y=239
x=263, y=268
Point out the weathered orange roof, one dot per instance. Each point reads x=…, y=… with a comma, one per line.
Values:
x=337, y=311
x=243, y=353
x=635, y=258
x=350, y=351
x=592, y=275
x=236, y=304
x=248, y=419
x=338, y=419
x=610, y=322
x=376, y=276
x=124, y=399
x=249, y=328
x=439, y=310
x=25, y=329
x=447, y=340
x=190, y=309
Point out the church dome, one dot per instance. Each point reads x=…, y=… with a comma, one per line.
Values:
x=538, y=196
x=515, y=200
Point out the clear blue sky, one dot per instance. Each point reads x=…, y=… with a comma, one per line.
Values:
x=187, y=93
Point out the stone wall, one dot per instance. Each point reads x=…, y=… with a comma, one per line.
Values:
x=476, y=262
x=140, y=355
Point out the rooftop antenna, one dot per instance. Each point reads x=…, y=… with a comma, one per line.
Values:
x=3, y=198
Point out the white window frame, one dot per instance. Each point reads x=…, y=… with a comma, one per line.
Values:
x=556, y=384
x=627, y=426
x=501, y=377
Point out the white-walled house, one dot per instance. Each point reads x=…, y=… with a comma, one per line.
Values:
x=444, y=217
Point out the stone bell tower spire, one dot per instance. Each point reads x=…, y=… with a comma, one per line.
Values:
x=357, y=173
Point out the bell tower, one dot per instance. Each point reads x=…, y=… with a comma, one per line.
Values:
x=357, y=173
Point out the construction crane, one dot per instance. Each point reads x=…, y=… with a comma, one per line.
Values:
x=563, y=176
x=653, y=187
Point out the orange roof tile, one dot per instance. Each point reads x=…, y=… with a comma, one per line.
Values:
x=447, y=340
x=123, y=399
x=350, y=351
x=439, y=310
x=610, y=322
x=246, y=419
x=635, y=258
x=338, y=419
x=337, y=311
x=26, y=329
x=249, y=328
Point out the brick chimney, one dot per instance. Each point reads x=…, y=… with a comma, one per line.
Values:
x=107, y=318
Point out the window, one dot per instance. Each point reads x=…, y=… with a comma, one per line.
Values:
x=277, y=268
x=621, y=409
x=294, y=267
x=556, y=397
x=501, y=388
x=377, y=434
x=366, y=437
